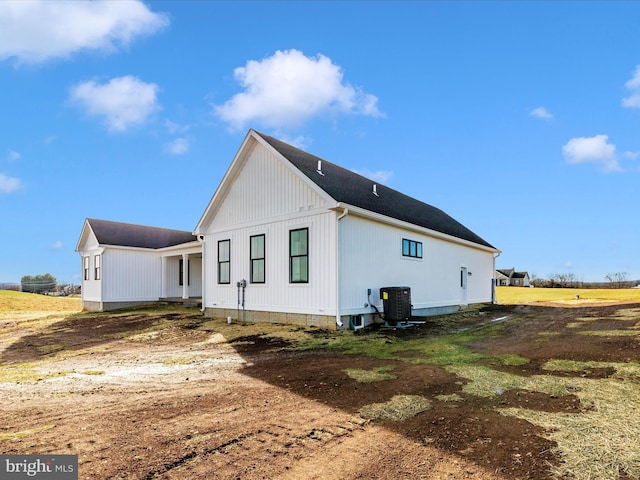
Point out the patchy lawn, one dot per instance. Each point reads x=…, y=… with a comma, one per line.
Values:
x=512, y=392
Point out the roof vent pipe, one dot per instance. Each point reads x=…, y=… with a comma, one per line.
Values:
x=375, y=190
x=319, y=169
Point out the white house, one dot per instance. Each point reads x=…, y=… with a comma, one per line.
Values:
x=125, y=265
x=290, y=237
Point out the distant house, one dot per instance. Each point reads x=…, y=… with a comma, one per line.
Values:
x=126, y=265
x=291, y=238
x=510, y=277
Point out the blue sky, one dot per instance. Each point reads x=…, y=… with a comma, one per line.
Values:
x=519, y=119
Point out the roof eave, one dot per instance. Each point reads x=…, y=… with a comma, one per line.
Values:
x=361, y=212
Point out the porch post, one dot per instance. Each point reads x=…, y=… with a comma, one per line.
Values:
x=185, y=276
x=163, y=281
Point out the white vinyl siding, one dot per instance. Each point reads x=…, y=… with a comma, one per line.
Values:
x=134, y=275
x=370, y=257
x=277, y=294
x=263, y=189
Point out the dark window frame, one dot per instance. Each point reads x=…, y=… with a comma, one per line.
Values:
x=181, y=272
x=97, y=263
x=256, y=260
x=411, y=248
x=296, y=257
x=224, y=263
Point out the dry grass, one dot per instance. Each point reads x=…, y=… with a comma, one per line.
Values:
x=369, y=376
x=565, y=296
x=24, y=433
x=17, y=305
x=400, y=407
x=596, y=443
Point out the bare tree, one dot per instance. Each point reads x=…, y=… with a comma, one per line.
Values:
x=617, y=279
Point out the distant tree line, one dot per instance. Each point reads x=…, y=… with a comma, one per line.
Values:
x=570, y=280
x=39, y=283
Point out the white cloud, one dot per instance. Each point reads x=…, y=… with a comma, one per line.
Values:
x=38, y=30
x=12, y=155
x=541, y=112
x=179, y=146
x=58, y=245
x=288, y=88
x=9, y=184
x=633, y=101
x=594, y=150
x=123, y=101
x=568, y=264
x=379, y=175
x=631, y=155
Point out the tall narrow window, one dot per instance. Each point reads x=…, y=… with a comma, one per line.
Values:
x=411, y=248
x=299, y=255
x=85, y=267
x=257, y=259
x=224, y=261
x=96, y=267
x=181, y=272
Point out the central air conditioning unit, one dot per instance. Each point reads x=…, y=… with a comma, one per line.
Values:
x=396, y=304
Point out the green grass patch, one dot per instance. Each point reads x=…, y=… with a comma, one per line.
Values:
x=369, y=376
x=512, y=359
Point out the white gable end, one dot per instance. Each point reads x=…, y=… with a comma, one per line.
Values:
x=265, y=188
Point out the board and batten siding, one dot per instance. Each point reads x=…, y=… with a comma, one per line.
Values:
x=276, y=294
x=371, y=257
x=130, y=275
x=266, y=197
x=263, y=189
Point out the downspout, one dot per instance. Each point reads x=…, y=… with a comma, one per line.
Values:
x=344, y=213
x=200, y=238
x=493, y=286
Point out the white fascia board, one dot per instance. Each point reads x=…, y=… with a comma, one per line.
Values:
x=86, y=229
x=231, y=172
x=191, y=247
x=361, y=212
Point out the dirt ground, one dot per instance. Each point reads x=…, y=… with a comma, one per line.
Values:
x=182, y=403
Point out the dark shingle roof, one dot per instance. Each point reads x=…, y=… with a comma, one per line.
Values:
x=348, y=187
x=128, y=235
